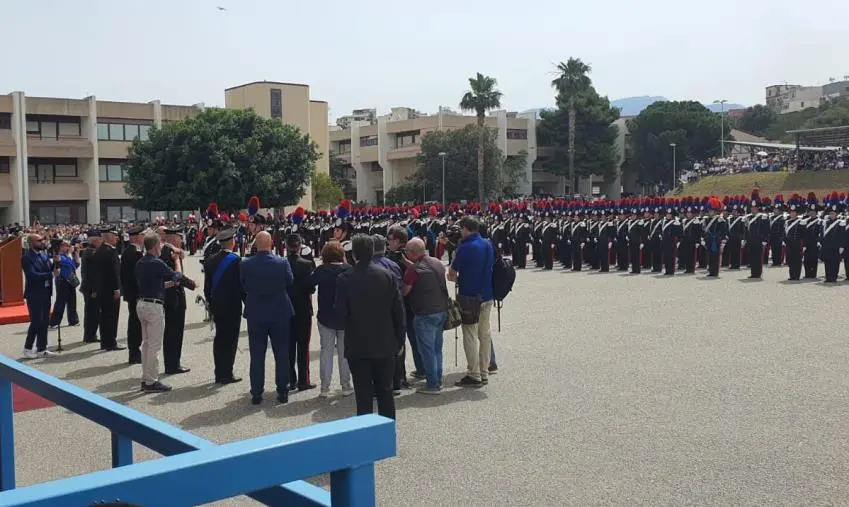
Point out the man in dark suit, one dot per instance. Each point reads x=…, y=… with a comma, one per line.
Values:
x=300, y=293
x=130, y=289
x=370, y=305
x=223, y=291
x=91, y=307
x=106, y=288
x=175, y=306
x=265, y=279
x=39, y=271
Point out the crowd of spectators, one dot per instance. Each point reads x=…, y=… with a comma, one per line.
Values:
x=770, y=162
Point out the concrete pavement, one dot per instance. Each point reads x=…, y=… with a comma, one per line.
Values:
x=614, y=389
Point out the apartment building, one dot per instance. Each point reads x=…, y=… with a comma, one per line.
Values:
x=792, y=98
x=382, y=153
x=60, y=159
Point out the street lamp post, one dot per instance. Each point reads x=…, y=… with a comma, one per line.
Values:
x=721, y=103
x=674, y=181
x=442, y=154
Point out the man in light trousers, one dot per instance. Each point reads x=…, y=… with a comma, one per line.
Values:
x=154, y=276
x=472, y=271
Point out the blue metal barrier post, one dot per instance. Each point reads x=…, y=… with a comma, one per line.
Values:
x=353, y=486
x=122, y=450
x=7, y=437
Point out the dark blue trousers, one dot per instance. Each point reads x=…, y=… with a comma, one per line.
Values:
x=259, y=334
x=66, y=296
x=39, y=319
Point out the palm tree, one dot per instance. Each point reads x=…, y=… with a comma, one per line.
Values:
x=481, y=97
x=572, y=79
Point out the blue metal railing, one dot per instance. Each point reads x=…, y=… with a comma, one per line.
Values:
x=346, y=449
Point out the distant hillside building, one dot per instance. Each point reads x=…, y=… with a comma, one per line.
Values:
x=786, y=98
x=366, y=116
x=836, y=89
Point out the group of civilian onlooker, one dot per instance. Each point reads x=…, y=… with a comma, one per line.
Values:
x=393, y=296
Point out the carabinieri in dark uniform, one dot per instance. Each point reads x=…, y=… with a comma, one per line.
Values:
x=223, y=291
x=130, y=290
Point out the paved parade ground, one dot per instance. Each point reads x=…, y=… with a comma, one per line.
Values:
x=613, y=389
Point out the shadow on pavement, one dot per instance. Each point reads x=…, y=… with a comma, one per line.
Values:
x=186, y=394
x=95, y=371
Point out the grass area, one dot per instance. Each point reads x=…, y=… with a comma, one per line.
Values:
x=802, y=182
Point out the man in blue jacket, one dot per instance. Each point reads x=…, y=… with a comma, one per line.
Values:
x=39, y=272
x=265, y=281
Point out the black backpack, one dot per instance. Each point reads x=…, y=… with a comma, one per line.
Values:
x=503, y=277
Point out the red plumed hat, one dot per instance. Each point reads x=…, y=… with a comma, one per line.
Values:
x=298, y=215
x=212, y=211
x=432, y=211
x=253, y=205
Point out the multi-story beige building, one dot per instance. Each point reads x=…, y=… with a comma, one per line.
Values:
x=380, y=154
x=60, y=159
x=786, y=98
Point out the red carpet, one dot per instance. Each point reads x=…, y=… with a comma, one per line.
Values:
x=17, y=314
x=23, y=400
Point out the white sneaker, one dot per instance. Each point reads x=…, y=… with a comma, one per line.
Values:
x=30, y=354
x=347, y=391
x=325, y=393
x=47, y=353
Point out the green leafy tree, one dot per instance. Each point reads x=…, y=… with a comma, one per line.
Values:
x=325, y=192
x=481, y=97
x=461, y=148
x=337, y=170
x=513, y=174
x=580, y=131
x=409, y=190
x=692, y=127
x=221, y=155
x=756, y=119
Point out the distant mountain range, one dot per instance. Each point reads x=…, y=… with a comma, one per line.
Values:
x=632, y=106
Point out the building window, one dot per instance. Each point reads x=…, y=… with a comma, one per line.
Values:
x=111, y=171
x=276, y=103
x=53, y=127
x=519, y=134
x=403, y=139
x=5, y=165
x=344, y=147
x=131, y=132
x=69, y=212
x=122, y=132
x=368, y=141
x=116, y=132
x=5, y=121
x=378, y=196
x=52, y=170
x=375, y=167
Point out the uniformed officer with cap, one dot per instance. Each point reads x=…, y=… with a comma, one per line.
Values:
x=91, y=307
x=175, y=304
x=223, y=291
x=106, y=288
x=130, y=290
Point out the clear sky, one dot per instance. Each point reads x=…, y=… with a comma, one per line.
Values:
x=384, y=53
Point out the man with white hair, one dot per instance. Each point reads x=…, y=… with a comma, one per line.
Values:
x=424, y=284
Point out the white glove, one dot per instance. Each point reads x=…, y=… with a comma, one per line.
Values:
x=764, y=243
x=841, y=251
x=743, y=243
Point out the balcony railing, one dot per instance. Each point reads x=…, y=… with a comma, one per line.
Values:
x=346, y=449
x=51, y=180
